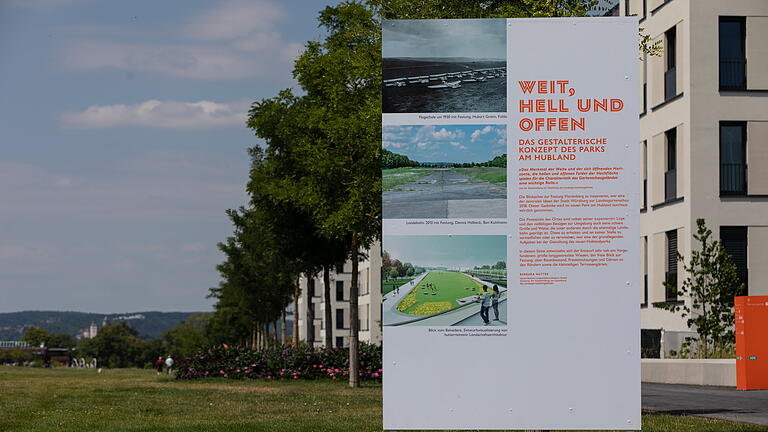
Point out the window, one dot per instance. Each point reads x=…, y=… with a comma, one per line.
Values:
x=645, y=83
x=340, y=341
x=645, y=174
x=339, y=267
x=626, y=8
x=670, y=175
x=645, y=272
x=339, y=318
x=733, y=62
x=733, y=158
x=671, y=274
x=312, y=288
x=364, y=316
x=339, y=290
x=645, y=8
x=670, y=73
x=734, y=240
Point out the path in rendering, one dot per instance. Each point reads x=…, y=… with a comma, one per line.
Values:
x=724, y=403
x=446, y=194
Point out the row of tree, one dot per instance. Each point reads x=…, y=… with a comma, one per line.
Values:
x=119, y=345
x=393, y=268
x=315, y=179
x=500, y=265
x=394, y=160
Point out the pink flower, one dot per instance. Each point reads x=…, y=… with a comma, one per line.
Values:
x=221, y=372
x=375, y=374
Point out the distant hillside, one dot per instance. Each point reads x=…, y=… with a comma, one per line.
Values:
x=149, y=324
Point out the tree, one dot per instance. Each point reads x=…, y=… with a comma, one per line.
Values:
x=712, y=282
x=189, y=336
x=116, y=345
x=35, y=336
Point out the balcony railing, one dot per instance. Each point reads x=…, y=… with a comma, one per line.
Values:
x=733, y=179
x=733, y=74
x=670, y=84
x=670, y=185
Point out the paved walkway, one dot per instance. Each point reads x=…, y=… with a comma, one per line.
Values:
x=446, y=194
x=724, y=403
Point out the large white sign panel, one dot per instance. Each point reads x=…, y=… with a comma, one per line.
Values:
x=511, y=241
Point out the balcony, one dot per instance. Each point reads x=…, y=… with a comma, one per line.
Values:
x=733, y=74
x=670, y=185
x=733, y=179
x=670, y=84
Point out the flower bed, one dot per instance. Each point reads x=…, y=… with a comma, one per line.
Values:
x=280, y=362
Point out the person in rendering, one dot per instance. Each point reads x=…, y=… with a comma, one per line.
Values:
x=495, y=301
x=485, y=305
x=159, y=365
x=169, y=363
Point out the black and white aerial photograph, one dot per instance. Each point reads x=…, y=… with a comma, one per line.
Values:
x=441, y=66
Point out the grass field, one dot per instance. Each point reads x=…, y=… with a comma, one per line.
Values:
x=398, y=176
x=449, y=286
x=489, y=174
x=387, y=285
x=46, y=400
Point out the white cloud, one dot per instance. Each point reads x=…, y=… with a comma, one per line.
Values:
x=235, y=19
x=39, y=4
x=480, y=132
x=193, y=247
x=155, y=113
x=393, y=144
x=234, y=40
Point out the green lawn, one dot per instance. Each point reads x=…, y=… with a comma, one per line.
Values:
x=398, y=176
x=134, y=400
x=489, y=174
x=387, y=285
x=449, y=286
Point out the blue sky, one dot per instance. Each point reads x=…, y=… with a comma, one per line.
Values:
x=456, y=252
x=122, y=143
x=446, y=143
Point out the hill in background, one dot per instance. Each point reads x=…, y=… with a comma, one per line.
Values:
x=149, y=324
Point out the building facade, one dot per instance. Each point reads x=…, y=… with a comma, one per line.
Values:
x=312, y=325
x=704, y=143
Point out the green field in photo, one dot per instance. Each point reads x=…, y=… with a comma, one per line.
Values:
x=449, y=287
x=398, y=176
x=489, y=174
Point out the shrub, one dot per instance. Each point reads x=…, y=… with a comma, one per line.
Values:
x=279, y=362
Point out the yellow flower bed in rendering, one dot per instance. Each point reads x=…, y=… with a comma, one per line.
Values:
x=407, y=302
x=431, y=308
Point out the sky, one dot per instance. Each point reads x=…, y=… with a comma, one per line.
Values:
x=445, y=38
x=446, y=143
x=122, y=143
x=455, y=252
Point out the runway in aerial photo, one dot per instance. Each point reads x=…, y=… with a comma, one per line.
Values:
x=437, y=67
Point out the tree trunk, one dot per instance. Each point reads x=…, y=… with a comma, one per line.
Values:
x=275, y=337
x=354, y=324
x=283, y=327
x=310, y=316
x=328, y=311
x=296, y=294
x=254, y=332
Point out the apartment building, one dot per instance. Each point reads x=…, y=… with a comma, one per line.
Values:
x=704, y=143
x=312, y=325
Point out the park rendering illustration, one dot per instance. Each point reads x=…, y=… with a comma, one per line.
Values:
x=447, y=171
x=447, y=281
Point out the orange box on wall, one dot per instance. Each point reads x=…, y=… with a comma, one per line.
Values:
x=751, y=342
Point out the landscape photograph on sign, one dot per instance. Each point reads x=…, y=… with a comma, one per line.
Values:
x=446, y=171
x=440, y=66
x=444, y=280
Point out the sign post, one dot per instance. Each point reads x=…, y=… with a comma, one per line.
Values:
x=510, y=234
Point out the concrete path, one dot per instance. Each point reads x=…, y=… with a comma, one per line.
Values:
x=723, y=403
x=446, y=194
